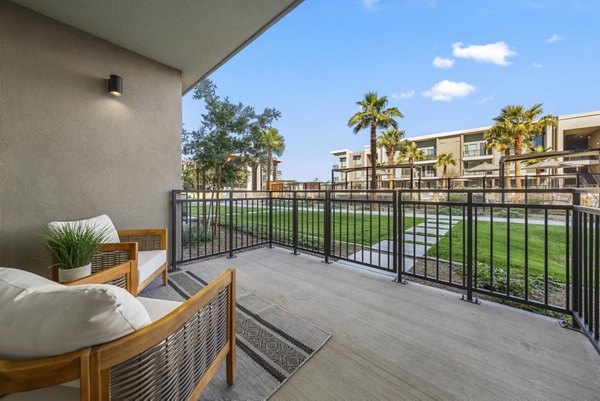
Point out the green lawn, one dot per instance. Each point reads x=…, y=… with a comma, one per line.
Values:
x=495, y=252
x=367, y=229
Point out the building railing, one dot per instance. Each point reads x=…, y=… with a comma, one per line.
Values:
x=472, y=151
x=536, y=248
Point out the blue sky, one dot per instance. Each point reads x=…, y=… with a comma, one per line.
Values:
x=446, y=64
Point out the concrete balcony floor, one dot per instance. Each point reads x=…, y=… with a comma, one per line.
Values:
x=393, y=341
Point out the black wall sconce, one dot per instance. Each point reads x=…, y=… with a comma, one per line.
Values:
x=115, y=85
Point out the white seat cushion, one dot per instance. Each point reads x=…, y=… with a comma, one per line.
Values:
x=55, y=393
x=149, y=262
x=158, y=308
x=102, y=222
x=42, y=318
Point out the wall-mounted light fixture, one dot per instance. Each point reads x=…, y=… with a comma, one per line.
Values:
x=115, y=85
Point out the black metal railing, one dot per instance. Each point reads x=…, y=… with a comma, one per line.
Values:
x=539, y=248
x=586, y=271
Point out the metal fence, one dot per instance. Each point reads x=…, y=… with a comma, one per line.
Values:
x=520, y=246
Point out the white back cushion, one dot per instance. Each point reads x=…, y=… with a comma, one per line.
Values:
x=102, y=222
x=39, y=317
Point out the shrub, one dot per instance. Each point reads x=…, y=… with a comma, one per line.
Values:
x=514, y=213
x=194, y=233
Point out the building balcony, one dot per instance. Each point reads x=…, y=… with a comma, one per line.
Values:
x=368, y=342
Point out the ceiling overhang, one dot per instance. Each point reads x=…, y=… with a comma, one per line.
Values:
x=195, y=37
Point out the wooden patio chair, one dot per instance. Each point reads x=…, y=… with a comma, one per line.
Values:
x=173, y=358
x=146, y=249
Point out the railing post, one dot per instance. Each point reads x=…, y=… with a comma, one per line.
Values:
x=231, y=255
x=576, y=249
x=469, y=297
x=327, y=227
x=398, y=235
x=174, y=244
x=270, y=219
x=295, y=222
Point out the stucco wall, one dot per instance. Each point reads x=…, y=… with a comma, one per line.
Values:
x=451, y=145
x=68, y=149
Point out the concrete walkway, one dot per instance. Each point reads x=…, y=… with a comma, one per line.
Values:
x=417, y=241
x=412, y=342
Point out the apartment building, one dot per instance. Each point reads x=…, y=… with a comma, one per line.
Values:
x=575, y=131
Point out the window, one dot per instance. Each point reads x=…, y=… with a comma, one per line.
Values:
x=405, y=172
x=428, y=171
x=476, y=149
x=539, y=141
x=357, y=160
x=429, y=153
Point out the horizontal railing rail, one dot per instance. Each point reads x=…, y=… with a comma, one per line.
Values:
x=537, y=248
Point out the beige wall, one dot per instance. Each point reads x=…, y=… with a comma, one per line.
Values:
x=451, y=145
x=68, y=150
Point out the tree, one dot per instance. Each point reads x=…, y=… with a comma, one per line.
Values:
x=523, y=124
x=255, y=152
x=411, y=153
x=390, y=140
x=274, y=144
x=374, y=114
x=230, y=138
x=499, y=138
x=222, y=145
x=444, y=160
x=537, y=150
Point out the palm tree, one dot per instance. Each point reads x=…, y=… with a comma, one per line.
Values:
x=411, y=153
x=537, y=150
x=523, y=124
x=374, y=114
x=274, y=144
x=499, y=138
x=444, y=160
x=390, y=140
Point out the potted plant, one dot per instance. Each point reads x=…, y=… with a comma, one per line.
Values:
x=72, y=247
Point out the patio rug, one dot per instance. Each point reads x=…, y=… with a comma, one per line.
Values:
x=272, y=344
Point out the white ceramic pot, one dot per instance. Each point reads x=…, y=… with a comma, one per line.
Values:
x=66, y=275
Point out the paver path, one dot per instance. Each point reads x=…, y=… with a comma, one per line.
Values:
x=417, y=241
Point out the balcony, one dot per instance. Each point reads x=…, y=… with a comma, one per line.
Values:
x=396, y=342
x=474, y=151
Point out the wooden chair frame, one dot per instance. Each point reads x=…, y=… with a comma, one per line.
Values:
x=132, y=247
x=92, y=366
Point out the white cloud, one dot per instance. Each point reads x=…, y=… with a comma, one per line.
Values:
x=496, y=53
x=441, y=62
x=369, y=4
x=537, y=64
x=403, y=95
x=555, y=38
x=446, y=90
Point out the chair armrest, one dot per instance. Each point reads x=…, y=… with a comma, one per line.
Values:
x=119, y=275
x=205, y=323
x=151, y=239
x=108, y=256
x=31, y=374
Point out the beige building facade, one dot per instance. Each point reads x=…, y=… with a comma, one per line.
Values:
x=468, y=147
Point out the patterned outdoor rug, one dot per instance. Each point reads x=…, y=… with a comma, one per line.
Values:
x=271, y=343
